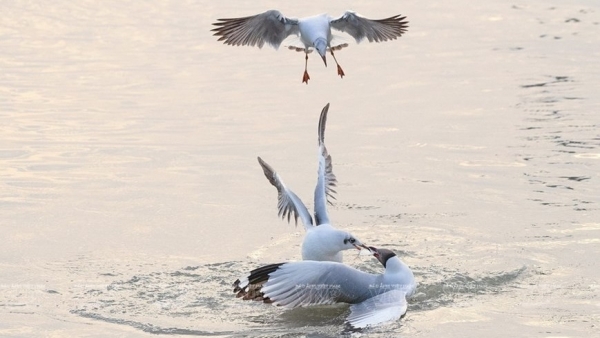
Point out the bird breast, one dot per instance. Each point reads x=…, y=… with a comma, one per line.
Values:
x=313, y=28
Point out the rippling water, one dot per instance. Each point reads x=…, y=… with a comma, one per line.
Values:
x=131, y=199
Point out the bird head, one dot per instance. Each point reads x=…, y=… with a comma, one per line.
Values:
x=352, y=242
x=321, y=47
x=382, y=255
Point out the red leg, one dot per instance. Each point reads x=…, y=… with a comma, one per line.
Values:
x=339, y=69
x=305, y=78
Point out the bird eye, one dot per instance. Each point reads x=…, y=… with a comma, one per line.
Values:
x=351, y=240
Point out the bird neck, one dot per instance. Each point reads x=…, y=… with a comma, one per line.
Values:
x=394, y=266
x=398, y=273
x=323, y=243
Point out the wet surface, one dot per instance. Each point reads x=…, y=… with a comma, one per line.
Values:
x=187, y=296
x=131, y=199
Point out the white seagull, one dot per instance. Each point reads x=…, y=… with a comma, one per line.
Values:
x=375, y=298
x=322, y=242
x=273, y=27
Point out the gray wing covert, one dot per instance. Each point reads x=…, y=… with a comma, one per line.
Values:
x=374, y=30
x=271, y=27
x=309, y=283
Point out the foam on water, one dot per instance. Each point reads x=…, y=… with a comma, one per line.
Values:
x=152, y=302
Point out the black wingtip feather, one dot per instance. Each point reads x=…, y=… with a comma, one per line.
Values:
x=256, y=279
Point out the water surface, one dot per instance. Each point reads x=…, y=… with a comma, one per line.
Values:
x=130, y=195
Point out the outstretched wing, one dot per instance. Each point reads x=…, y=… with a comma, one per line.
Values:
x=385, y=307
x=326, y=180
x=270, y=27
x=374, y=30
x=249, y=287
x=288, y=203
x=308, y=283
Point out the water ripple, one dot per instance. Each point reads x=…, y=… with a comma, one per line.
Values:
x=185, y=302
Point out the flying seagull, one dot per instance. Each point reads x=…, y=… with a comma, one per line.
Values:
x=322, y=241
x=375, y=298
x=273, y=27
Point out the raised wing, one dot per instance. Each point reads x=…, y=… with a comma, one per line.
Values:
x=309, y=283
x=385, y=307
x=374, y=30
x=288, y=203
x=326, y=180
x=270, y=27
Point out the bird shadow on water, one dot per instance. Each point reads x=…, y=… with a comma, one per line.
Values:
x=199, y=300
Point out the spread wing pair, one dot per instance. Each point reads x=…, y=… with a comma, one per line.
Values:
x=322, y=241
x=289, y=204
x=272, y=27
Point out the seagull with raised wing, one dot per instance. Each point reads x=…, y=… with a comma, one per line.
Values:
x=322, y=241
x=272, y=27
x=375, y=298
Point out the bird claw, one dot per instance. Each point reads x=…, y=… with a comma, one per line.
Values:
x=305, y=78
x=340, y=71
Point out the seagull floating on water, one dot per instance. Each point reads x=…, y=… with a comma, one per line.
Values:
x=322, y=242
x=375, y=298
x=273, y=27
